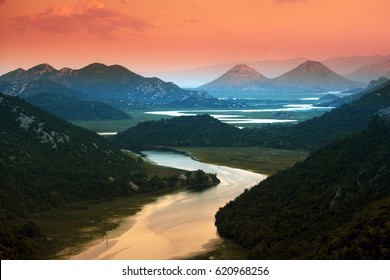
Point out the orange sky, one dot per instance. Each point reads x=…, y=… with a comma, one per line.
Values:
x=151, y=35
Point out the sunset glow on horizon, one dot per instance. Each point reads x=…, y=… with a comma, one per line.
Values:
x=182, y=34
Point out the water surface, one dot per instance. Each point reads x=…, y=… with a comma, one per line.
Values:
x=176, y=225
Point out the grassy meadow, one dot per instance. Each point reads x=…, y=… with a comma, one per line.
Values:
x=257, y=159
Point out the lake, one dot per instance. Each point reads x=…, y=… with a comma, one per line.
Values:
x=178, y=225
x=261, y=111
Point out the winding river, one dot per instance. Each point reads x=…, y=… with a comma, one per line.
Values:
x=177, y=225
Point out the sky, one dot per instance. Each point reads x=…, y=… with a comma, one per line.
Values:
x=166, y=35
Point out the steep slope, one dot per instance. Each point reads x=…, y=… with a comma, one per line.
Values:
x=240, y=78
x=371, y=72
x=45, y=149
x=372, y=86
x=334, y=205
x=313, y=76
x=113, y=84
x=45, y=163
x=382, y=81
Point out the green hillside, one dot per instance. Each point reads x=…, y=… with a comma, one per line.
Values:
x=200, y=130
x=73, y=108
x=317, y=132
x=334, y=205
x=47, y=163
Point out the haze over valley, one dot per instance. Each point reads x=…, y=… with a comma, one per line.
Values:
x=137, y=130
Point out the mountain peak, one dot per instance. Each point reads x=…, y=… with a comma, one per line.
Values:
x=42, y=68
x=241, y=67
x=313, y=66
x=244, y=70
x=314, y=75
x=95, y=65
x=239, y=78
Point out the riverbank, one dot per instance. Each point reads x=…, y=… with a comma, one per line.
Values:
x=256, y=159
x=86, y=224
x=179, y=225
x=77, y=226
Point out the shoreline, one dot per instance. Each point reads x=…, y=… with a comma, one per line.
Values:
x=131, y=243
x=136, y=204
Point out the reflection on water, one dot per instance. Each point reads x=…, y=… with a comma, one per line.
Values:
x=176, y=225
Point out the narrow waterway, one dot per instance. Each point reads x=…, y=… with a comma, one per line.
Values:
x=176, y=225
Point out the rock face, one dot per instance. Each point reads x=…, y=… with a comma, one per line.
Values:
x=239, y=78
x=384, y=114
x=377, y=83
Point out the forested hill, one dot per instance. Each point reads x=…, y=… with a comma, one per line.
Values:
x=334, y=205
x=317, y=132
x=200, y=130
x=46, y=162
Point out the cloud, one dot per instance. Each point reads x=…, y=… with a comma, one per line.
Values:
x=288, y=1
x=92, y=17
x=192, y=21
x=3, y=1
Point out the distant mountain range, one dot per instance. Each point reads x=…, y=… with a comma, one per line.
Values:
x=114, y=85
x=308, y=76
x=192, y=78
x=371, y=72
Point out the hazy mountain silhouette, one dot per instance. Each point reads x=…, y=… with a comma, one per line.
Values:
x=240, y=78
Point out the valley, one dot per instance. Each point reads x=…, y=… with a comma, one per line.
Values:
x=89, y=222
x=53, y=171
x=195, y=139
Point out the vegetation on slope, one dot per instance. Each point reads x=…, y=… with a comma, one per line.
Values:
x=317, y=132
x=200, y=130
x=47, y=163
x=73, y=108
x=334, y=205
